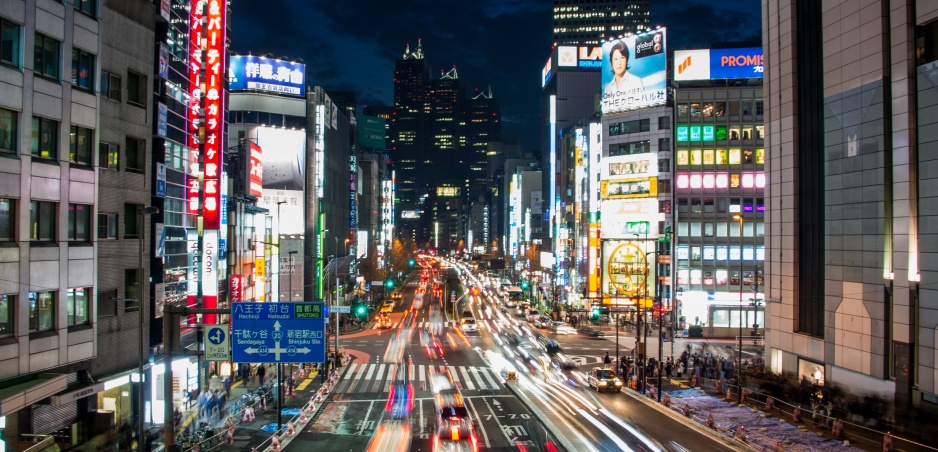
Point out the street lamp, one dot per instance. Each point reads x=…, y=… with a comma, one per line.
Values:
x=739, y=353
x=142, y=212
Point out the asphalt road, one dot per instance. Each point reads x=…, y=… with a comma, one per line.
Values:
x=507, y=418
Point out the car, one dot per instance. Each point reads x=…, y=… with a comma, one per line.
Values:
x=468, y=325
x=522, y=310
x=549, y=345
x=604, y=378
x=543, y=322
x=435, y=349
x=383, y=320
x=563, y=362
x=387, y=307
x=533, y=315
x=455, y=438
x=562, y=328
x=467, y=314
x=590, y=331
x=396, y=296
x=452, y=411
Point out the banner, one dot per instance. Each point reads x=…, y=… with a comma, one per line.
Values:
x=634, y=72
x=257, y=73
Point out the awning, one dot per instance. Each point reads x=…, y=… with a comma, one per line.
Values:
x=18, y=393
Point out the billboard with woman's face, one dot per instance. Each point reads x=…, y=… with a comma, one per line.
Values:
x=634, y=72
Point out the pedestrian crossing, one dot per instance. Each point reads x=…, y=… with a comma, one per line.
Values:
x=378, y=377
x=396, y=325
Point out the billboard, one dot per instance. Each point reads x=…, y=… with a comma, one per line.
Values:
x=447, y=191
x=634, y=72
x=625, y=166
x=255, y=170
x=579, y=56
x=257, y=73
x=709, y=64
x=625, y=263
x=284, y=163
x=371, y=132
x=410, y=214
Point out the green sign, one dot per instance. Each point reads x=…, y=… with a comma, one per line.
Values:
x=708, y=133
x=371, y=132
x=721, y=133
x=307, y=311
x=694, y=133
x=681, y=133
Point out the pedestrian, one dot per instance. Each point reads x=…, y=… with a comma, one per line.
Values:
x=227, y=384
x=887, y=442
x=668, y=367
x=261, y=371
x=607, y=359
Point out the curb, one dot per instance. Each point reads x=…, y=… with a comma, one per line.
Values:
x=690, y=423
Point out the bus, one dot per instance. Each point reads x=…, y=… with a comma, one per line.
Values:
x=514, y=296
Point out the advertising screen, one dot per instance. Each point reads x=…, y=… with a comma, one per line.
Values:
x=710, y=64
x=634, y=72
x=371, y=132
x=627, y=166
x=284, y=163
x=410, y=214
x=625, y=264
x=256, y=170
x=629, y=188
x=257, y=73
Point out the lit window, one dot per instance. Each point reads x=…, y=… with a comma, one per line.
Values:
x=695, y=180
x=708, y=180
x=77, y=305
x=41, y=311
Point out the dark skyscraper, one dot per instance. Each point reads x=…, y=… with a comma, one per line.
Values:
x=484, y=126
x=409, y=126
x=580, y=22
x=447, y=100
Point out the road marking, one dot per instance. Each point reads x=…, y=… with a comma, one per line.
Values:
x=488, y=375
x=420, y=373
x=361, y=431
x=351, y=371
x=476, y=371
x=465, y=375
x=452, y=373
x=379, y=376
x=485, y=434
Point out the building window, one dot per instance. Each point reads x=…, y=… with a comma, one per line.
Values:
x=9, y=43
x=79, y=222
x=107, y=226
x=46, y=56
x=107, y=303
x=110, y=86
x=86, y=6
x=42, y=221
x=8, y=135
x=41, y=311
x=79, y=141
x=45, y=138
x=664, y=122
x=747, y=108
x=78, y=305
x=131, y=292
x=681, y=110
x=131, y=221
x=82, y=69
x=136, y=89
x=719, y=109
x=134, y=150
x=7, y=220
x=760, y=108
x=6, y=314
x=108, y=155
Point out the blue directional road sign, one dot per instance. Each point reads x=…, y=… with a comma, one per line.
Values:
x=278, y=332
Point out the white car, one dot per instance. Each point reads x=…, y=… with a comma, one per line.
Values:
x=563, y=328
x=468, y=325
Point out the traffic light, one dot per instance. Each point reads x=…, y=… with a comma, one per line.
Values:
x=389, y=283
x=524, y=285
x=594, y=312
x=361, y=310
x=412, y=262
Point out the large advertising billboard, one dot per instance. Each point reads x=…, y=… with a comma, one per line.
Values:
x=624, y=277
x=634, y=72
x=371, y=132
x=710, y=64
x=284, y=161
x=257, y=73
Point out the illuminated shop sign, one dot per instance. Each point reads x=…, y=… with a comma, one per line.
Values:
x=580, y=56
x=447, y=191
x=256, y=170
x=710, y=64
x=628, y=166
x=257, y=73
x=629, y=188
x=706, y=181
x=696, y=157
x=626, y=269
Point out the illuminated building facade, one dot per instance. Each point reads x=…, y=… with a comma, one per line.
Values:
x=594, y=21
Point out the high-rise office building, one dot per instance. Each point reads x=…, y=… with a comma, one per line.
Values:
x=585, y=22
x=409, y=125
x=446, y=144
x=483, y=126
x=850, y=294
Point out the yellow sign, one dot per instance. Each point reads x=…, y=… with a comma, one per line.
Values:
x=447, y=191
x=511, y=376
x=260, y=267
x=629, y=188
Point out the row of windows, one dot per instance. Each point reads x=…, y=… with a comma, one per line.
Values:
x=720, y=109
x=719, y=229
x=45, y=143
x=42, y=310
x=717, y=277
x=720, y=205
x=720, y=156
x=627, y=127
x=42, y=222
x=269, y=119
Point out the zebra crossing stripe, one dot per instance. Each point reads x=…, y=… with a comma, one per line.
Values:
x=420, y=374
x=488, y=375
x=348, y=375
x=371, y=371
x=468, y=380
x=476, y=371
x=379, y=377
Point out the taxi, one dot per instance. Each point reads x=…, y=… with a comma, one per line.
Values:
x=604, y=378
x=383, y=320
x=387, y=307
x=397, y=296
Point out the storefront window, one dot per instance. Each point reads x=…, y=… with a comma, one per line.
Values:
x=721, y=318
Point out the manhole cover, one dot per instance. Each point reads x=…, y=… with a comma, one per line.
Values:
x=242, y=438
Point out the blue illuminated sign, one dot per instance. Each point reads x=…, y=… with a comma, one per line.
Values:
x=736, y=63
x=278, y=332
x=708, y=133
x=256, y=73
x=694, y=133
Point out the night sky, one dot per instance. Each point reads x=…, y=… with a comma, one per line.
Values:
x=352, y=45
